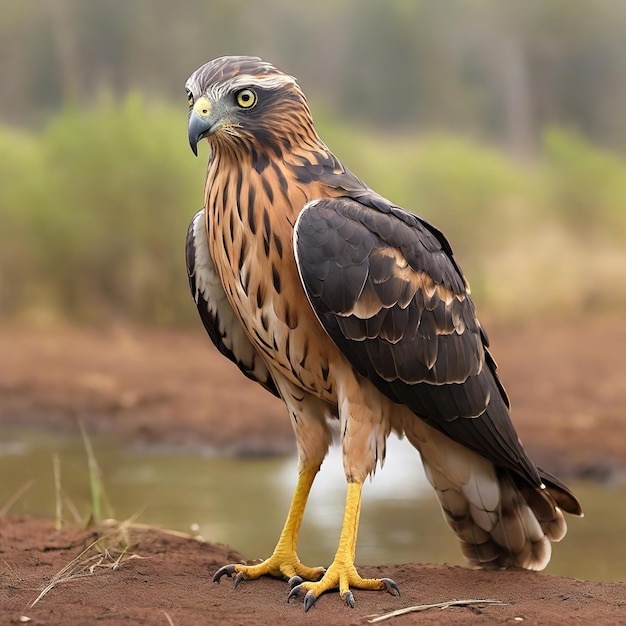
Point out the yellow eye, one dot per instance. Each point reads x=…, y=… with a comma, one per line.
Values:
x=190, y=97
x=246, y=98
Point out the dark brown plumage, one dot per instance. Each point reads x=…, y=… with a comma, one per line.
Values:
x=348, y=307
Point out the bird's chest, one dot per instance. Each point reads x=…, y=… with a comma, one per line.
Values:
x=250, y=241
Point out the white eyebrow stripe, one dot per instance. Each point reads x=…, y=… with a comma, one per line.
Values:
x=219, y=89
x=272, y=81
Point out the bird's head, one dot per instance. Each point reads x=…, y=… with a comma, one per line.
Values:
x=243, y=100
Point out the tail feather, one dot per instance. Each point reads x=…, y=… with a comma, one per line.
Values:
x=500, y=520
x=560, y=493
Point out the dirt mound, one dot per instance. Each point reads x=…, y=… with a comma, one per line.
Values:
x=163, y=576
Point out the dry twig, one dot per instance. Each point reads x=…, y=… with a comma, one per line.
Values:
x=425, y=607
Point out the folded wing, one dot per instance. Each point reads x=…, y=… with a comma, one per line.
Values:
x=215, y=310
x=386, y=288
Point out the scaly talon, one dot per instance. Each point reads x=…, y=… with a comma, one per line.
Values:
x=288, y=567
x=342, y=576
x=295, y=591
x=391, y=587
x=349, y=599
x=294, y=581
x=227, y=570
x=309, y=600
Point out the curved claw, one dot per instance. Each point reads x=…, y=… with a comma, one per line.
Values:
x=227, y=570
x=238, y=579
x=294, y=581
x=309, y=600
x=349, y=599
x=390, y=587
x=295, y=591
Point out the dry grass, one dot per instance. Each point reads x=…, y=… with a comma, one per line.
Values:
x=109, y=551
x=8, y=505
x=86, y=564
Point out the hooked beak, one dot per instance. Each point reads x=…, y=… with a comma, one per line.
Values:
x=200, y=122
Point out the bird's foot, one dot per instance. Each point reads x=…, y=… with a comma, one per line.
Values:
x=279, y=566
x=343, y=577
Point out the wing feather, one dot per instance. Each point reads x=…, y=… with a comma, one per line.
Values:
x=386, y=288
x=215, y=311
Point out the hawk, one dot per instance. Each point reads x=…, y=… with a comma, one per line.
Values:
x=349, y=308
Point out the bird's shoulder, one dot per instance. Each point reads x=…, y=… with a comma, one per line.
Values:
x=378, y=275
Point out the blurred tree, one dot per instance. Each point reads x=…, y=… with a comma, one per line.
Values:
x=499, y=70
x=64, y=32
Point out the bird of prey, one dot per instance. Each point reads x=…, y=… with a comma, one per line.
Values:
x=349, y=308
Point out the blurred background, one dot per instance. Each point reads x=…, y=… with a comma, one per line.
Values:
x=501, y=122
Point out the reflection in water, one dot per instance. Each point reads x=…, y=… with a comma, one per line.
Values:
x=243, y=502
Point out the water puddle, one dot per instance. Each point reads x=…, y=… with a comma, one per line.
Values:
x=243, y=502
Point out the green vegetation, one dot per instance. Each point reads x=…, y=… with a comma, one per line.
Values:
x=94, y=209
x=586, y=185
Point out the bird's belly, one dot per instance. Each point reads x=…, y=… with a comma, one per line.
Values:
x=290, y=339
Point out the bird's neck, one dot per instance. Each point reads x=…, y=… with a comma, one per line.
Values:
x=282, y=179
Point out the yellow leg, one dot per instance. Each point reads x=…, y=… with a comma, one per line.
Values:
x=342, y=574
x=284, y=560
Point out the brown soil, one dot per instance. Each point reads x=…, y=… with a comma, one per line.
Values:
x=566, y=381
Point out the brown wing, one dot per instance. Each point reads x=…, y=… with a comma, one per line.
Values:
x=387, y=290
